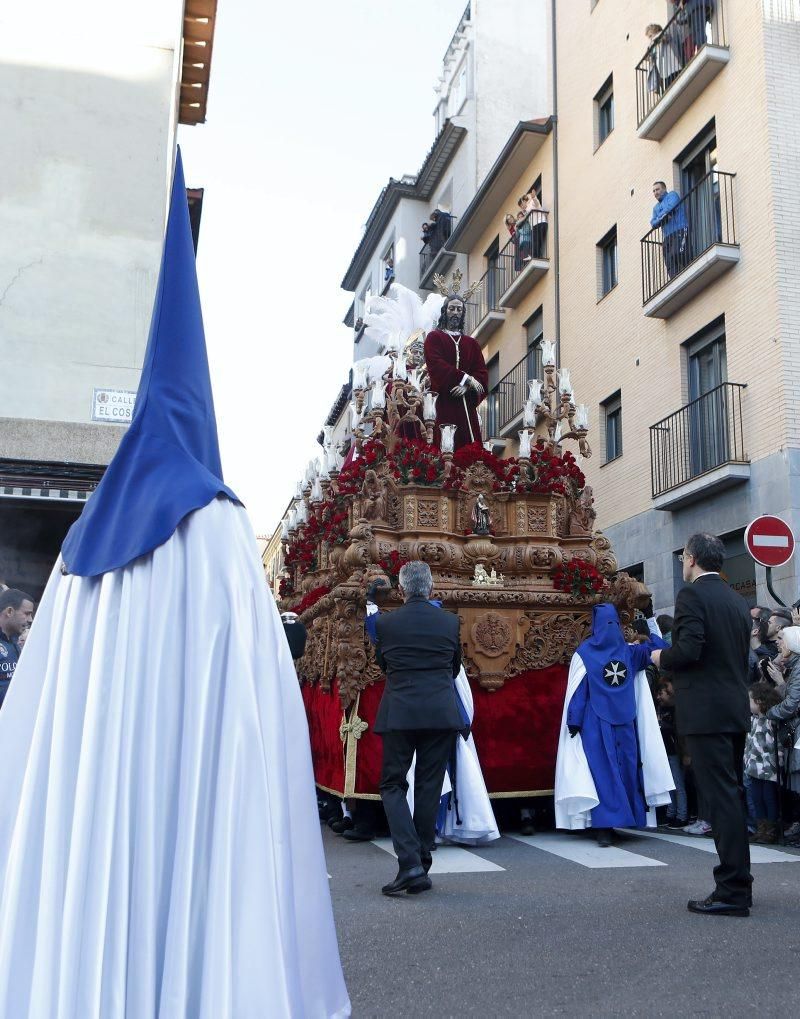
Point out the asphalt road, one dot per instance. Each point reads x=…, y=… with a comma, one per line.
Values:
x=539, y=934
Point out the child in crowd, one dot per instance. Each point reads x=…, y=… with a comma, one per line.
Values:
x=761, y=762
x=677, y=811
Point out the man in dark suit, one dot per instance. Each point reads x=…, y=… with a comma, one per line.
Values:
x=418, y=647
x=709, y=663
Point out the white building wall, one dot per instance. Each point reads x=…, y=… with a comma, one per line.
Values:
x=88, y=104
x=512, y=71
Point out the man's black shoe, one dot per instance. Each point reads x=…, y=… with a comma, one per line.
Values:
x=712, y=907
x=342, y=825
x=358, y=835
x=412, y=880
x=603, y=836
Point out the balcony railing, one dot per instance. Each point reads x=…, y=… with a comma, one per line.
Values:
x=437, y=239
x=697, y=24
x=505, y=401
x=703, y=217
x=486, y=300
x=698, y=438
x=529, y=244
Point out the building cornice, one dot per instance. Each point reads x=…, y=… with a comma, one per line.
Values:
x=199, y=20
x=418, y=189
x=525, y=141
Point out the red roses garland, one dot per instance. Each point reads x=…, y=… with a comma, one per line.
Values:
x=578, y=578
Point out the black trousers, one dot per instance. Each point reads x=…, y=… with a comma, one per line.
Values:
x=413, y=837
x=717, y=762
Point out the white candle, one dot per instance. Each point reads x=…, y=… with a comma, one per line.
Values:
x=529, y=415
x=525, y=443
x=582, y=416
x=359, y=377
x=284, y=530
x=355, y=419
x=292, y=521
x=399, y=371
x=316, y=491
x=327, y=435
x=535, y=390
x=448, y=438
x=557, y=432
x=302, y=513
x=298, y=490
x=564, y=382
x=378, y=395
x=429, y=406
x=548, y=352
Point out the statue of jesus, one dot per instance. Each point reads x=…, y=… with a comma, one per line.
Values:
x=457, y=372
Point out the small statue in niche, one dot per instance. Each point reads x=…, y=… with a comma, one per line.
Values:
x=582, y=515
x=372, y=502
x=481, y=520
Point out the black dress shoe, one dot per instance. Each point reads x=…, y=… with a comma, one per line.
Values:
x=603, y=836
x=342, y=825
x=358, y=835
x=412, y=880
x=713, y=907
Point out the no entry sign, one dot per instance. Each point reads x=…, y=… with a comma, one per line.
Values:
x=769, y=540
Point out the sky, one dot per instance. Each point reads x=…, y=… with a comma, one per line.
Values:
x=312, y=107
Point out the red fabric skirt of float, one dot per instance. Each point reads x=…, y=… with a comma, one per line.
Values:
x=515, y=730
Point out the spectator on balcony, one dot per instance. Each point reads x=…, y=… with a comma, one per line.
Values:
x=665, y=59
x=388, y=270
x=427, y=230
x=523, y=235
x=537, y=217
x=691, y=18
x=668, y=214
x=511, y=225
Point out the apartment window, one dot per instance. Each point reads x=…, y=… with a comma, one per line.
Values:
x=607, y=263
x=493, y=398
x=604, y=112
x=612, y=418
x=534, y=333
x=458, y=90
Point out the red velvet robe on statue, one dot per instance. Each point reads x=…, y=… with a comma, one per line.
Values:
x=447, y=363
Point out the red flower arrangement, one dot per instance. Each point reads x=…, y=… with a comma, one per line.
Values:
x=391, y=566
x=311, y=598
x=578, y=578
x=550, y=472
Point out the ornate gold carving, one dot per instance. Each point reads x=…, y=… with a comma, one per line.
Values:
x=410, y=512
x=550, y=639
x=537, y=519
x=492, y=634
x=428, y=513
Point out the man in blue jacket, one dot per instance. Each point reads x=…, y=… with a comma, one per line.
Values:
x=16, y=614
x=669, y=214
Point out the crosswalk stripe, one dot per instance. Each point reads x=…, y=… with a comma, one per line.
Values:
x=448, y=859
x=758, y=854
x=584, y=850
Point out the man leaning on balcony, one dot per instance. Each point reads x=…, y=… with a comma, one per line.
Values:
x=668, y=213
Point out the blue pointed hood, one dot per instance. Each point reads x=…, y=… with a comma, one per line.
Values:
x=168, y=462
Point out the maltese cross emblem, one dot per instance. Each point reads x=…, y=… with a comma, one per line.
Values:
x=615, y=673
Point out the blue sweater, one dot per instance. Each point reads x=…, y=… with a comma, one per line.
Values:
x=663, y=215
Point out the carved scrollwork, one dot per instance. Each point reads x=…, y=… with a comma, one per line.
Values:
x=551, y=639
x=537, y=519
x=428, y=513
x=491, y=634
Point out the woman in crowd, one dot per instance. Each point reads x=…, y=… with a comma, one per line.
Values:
x=787, y=715
x=523, y=232
x=537, y=218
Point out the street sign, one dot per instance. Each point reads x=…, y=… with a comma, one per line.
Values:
x=769, y=540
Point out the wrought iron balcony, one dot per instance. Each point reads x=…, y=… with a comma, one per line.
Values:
x=504, y=403
x=679, y=64
x=434, y=255
x=483, y=315
x=524, y=259
x=699, y=448
x=694, y=244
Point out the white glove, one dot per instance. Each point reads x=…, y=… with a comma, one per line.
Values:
x=458, y=391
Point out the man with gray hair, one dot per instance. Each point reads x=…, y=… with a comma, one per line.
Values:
x=418, y=647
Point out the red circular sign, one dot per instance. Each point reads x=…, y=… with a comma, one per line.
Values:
x=769, y=540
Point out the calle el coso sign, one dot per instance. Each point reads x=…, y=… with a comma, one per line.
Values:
x=114, y=406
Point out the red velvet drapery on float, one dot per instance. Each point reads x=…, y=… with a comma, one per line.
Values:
x=515, y=729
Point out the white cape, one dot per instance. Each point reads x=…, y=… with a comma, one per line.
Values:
x=160, y=851
x=478, y=824
x=575, y=792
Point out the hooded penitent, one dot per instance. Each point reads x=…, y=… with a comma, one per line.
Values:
x=160, y=851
